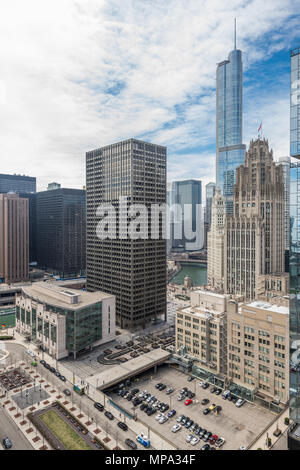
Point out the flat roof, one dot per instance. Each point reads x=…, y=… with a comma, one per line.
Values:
x=114, y=374
x=53, y=294
x=267, y=306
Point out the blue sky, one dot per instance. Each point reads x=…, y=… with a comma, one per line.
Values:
x=77, y=75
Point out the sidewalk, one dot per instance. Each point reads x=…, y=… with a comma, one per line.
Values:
x=37, y=441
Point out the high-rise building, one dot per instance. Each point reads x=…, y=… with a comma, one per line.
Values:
x=14, y=238
x=286, y=164
x=254, y=234
x=130, y=262
x=187, y=195
x=210, y=191
x=17, y=184
x=61, y=231
x=215, y=243
x=230, y=151
x=294, y=262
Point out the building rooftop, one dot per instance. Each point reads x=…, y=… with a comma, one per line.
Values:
x=267, y=306
x=201, y=312
x=50, y=293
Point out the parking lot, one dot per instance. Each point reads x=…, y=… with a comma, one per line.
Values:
x=238, y=426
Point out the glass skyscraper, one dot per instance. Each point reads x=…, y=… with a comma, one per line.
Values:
x=294, y=434
x=229, y=147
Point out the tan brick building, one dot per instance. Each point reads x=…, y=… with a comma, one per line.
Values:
x=215, y=243
x=258, y=348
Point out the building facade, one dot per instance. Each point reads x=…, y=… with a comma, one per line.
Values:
x=131, y=262
x=258, y=343
x=64, y=322
x=14, y=238
x=215, y=243
x=17, y=184
x=254, y=234
x=230, y=151
x=210, y=191
x=201, y=331
x=187, y=195
x=61, y=231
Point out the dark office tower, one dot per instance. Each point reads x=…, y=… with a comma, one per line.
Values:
x=294, y=434
x=61, y=231
x=13, y=238
x=185, y=194
x=210, y=190
x=229, y=124
x=17, y=184
x=131, y=268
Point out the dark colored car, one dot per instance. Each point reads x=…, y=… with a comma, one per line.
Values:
x=162, y=387
x=218, y=391
x=158, y=385
x=190, y=378
x=99, y=406
x=53, y=370
x=205, y=401
x=213, y=389
x=205, y=447
x=202, y=432
x=7, y=444
x=109, y=415
x=57, y=374
x=190, y=394
x=129, y=397
x=143, y=406
x=206, y=411
x=62, y=378
x=198, y=432
x=67, y=392
x=122, y=426
x=205, y=385
x=218, y=409
x=206, y=436
x=43, y=362
x=47, y=366
x=189, y=423
x=131, y=444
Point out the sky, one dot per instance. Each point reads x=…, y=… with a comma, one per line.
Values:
x=78, y=75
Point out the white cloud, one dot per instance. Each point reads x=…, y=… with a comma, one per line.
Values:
x=60, y=58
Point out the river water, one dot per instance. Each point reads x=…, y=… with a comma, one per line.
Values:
x=198, y=273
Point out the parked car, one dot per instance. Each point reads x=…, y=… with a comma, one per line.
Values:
x=205, y=401
x=206, y=411
x=218, y=409
x=189, y=437
x=189, y=423
x=213, y=439
x=7, y=444
x=109, y=415
x=43, y=362
x=62, y=378
x=176, y=427
x=195, y=440
x=158, y=416
x=180, y=397
x=205, y=447
x=202, y=433
x=99, y=406
x=240, y=403
x=180, y=418
x=219, y=442
x=169, y=391
x=206, y=436
x=213, y=389
x=122, y=426
x=131, y=444
x=225, y=394
x=190, y=378
x=67, y=392
x=188, y=402
x=212, y=407
x=205, y=385
x=218, y=391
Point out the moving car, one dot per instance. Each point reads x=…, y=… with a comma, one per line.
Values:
x=99, y=406
x=109, y=415
x=7, y=444
x=131, y=444
x=122, y=426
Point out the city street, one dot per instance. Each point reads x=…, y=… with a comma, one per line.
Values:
x=9, y=429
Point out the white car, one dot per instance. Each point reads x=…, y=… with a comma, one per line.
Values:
x=163, y=419
x=195, y=441
x=240, y=402
x=179, y=418
x=158, y=416
x=219, y=442
x=189, y=437
x=176, y=427
x=180, y=397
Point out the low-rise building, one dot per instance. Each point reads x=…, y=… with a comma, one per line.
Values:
x=201, y=330
x=65, y=322
x=258, y=349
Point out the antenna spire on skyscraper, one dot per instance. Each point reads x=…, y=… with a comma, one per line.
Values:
x=235, y=34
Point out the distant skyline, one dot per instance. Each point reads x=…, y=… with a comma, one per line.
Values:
x=80, y=75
